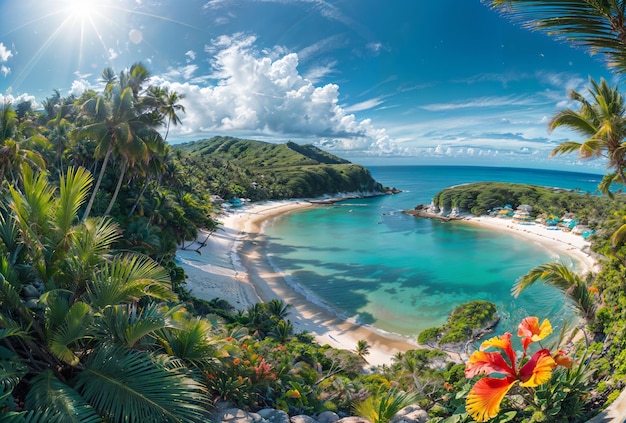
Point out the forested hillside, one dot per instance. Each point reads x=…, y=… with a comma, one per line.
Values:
x=232, y=167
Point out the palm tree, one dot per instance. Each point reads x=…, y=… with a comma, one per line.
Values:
x=362, y=349
x=278, y=308
x=167, y=103
x=562, y=278
x=118, y=124
x=17, y=142
x=597, y=26
x=602, y=121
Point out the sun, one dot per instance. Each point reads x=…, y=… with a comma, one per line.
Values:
x=82, y=9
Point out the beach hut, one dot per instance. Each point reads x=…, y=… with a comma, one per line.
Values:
x=552, y=220
x=506, y=211
x=522, y=216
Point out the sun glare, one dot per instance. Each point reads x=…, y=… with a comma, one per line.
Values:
x=82, y=9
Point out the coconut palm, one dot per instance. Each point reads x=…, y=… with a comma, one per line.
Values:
x=118, y=123
x=362, y=349
x=17, y=144
x=167, y=103
x=601, y=121
x=562, y=278
x=597, y=26
x=278, y=308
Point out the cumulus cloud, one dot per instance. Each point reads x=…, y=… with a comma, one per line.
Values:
x=263, y=94
x=5, y=54
x=79, y=86
x=9, y=98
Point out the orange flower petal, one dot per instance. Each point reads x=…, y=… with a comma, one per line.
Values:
x=502, y=342
x=563, y=360
x=538, y=370
x=482, y=362
x=530, y=331
x=483, y=401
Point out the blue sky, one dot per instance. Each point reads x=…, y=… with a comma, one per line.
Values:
x=394, y=82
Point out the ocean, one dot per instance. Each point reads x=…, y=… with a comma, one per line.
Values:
x=366, y=261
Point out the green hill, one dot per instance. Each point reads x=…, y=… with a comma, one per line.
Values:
x=232, y=167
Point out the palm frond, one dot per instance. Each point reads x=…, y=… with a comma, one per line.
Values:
x=59, y=401
x=74, y=328
x=74, y=189
x=562, y=278
x=605, y=184
x=554, y=274
x=594, y=25
x=618, y=236
x=565, y=148
x=127, y=326
x=140, y=387
x=191, y=343
x=11, y=372
x=381, y=407
x=128, y=278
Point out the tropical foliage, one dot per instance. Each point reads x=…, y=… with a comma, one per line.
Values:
x=466, y=323
x=231, y=167
x=95, y=323
x=482, y=197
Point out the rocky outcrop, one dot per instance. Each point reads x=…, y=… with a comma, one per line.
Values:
x=409, y=414
x=431, y=212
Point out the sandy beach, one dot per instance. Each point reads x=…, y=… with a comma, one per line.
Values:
x=231, y=266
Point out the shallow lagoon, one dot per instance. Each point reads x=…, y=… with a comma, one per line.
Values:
x=365, y=260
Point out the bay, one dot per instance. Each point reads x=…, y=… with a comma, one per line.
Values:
x=366, y=261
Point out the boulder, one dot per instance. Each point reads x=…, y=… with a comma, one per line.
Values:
x=30, y=291
x=274, y=416
x=410, y=414
x=303, y=419
x=235, y=415
x=327, y=417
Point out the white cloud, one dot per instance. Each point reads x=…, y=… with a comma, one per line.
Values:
x=5, y=70
x=255, y=94
x=364, y=105
x=79, y=86
x=9, y=98
x=191, y=55
x=5, y=54
x=482, y=102
x=321, y=47
x=376, y=48
x=319, y=72
x=112, y=54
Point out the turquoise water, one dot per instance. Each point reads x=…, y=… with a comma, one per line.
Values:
x=365, y=260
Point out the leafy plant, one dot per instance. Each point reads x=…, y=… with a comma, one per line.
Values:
x=382, y=406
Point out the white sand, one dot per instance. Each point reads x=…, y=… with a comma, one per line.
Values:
x=231, y=266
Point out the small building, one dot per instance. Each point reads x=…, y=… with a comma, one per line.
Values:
x=522, y=215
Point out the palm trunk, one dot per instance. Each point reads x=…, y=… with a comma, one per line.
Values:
x=117, y=189
x=143, y=190
x=97, y=187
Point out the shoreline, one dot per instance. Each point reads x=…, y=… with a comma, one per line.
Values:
x=232, y=266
